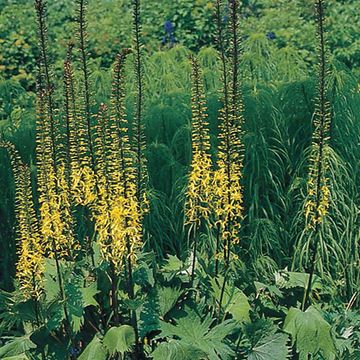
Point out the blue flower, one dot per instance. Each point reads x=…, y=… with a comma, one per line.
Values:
x=168, y=27
x=271, y=35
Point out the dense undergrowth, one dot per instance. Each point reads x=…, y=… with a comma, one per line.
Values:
x=196, y=202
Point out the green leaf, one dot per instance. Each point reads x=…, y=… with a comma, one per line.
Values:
x=94, y=350
x=310, y=333
x=74, y=301
x=88, y=295
x=289, y=280
x=168, y=297
x=173, y=264
x=197, y=333
x=176, y=350
x=119, y=339
x=273, y=347
x=234, y=301
x=17, y=346
x=17, y=357
x=51, y=285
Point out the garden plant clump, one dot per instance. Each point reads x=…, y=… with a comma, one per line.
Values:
x=180, y=191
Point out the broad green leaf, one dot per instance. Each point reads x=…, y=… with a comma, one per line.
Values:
x=176, y=350
x=290, y=279
x=119, y=339
x=273, y=347
x=73, y=292
x=51, y=285
x=173, y=264
x=17, y=346
x=17, y=357
x=94, y=350
x=144, y=275
x=167, y=299
x=88, y=295
x=310, y=333
x=234, y=300
x=192, y=331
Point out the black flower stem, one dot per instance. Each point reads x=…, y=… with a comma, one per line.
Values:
x=62, y=291
x=195, y=248
x=139, y=347
x=139, y=101
x=322, y=126
x=222, y=293
x=86, y=75
x=218, y=234
x=44, y=76
x=114, y=294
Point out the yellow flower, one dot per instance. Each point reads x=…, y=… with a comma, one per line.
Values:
x=199, y=191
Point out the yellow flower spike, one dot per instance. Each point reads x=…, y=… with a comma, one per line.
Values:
x=31, y=265
x=118, y=214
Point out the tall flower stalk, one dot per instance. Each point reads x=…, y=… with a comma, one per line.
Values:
x=228, y=193
x=45, y=84
x=198, y=196
x=80, y=175
x=56, y=221
x=31, y=262
x=118, y=216
x=138, y=128
x=85, y=83
x=318, y=200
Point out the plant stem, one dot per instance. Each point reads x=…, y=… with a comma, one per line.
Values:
x=322, y=112
x=114, y=298
x=218, y=232
x=193, y=265
x=139, y=348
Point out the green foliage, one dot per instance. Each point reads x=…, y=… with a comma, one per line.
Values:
x=196, y=333
x=310, y=333
x=119, y=339
x=17, y=347
x=234, y=301
x=176, y=350
x=268, y=271
x=273, y=347
x=94, y=350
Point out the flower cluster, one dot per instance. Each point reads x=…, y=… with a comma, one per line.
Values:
x=318, y=199
x=81, y=177
x=228, y=200
x=169, y=37
x=199, y=191
x=117, y=210
x=56, y=221
x=31, y=264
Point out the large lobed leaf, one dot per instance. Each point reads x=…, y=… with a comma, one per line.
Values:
x=273, y=347
x=310, y=333
x=94, y=350
x=119, y=339
x=198, y=334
